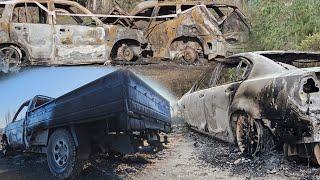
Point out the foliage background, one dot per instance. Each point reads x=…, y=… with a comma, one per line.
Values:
x=285, y=24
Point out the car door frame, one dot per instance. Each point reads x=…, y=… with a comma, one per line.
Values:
x=219, y=100
x=191, y=109
x=20, y=34
x=64, y=47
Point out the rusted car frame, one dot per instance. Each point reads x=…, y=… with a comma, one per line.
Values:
x=194, y=30
x=251, y=100
x=57, y=32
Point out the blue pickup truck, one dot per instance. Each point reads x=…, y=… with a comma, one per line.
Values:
x=116, y=113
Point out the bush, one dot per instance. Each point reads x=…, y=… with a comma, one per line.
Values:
x=283, y=24
x=312, y=43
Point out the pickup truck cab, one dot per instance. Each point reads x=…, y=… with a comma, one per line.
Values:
x=117, y=113
x=15, y=131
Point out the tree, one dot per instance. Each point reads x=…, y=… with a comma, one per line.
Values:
x=99, y=6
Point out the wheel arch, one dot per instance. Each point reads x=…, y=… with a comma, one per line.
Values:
x=24, y=51
x=117, y=44
x=80, y=137
x=181, y=38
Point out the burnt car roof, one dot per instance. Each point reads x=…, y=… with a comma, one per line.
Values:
x=147, y=4
x=289, y=57
x=18, y=1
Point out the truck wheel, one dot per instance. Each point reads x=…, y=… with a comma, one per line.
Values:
x=4, y=147
x=62, y=155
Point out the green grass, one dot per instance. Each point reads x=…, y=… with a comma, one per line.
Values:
x=284, y=24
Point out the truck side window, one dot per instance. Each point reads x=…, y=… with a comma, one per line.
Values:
x=40, y=101
x=29, y=13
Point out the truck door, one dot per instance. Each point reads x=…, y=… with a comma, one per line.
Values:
x=15, y=130
x=78, y=39
x=31, y=27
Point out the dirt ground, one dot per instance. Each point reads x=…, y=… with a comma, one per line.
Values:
x=189, y=155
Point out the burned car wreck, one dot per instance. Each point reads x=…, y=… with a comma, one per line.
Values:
x=56, y=32
x=117, y=113
x=190, y=31
x=253, y=101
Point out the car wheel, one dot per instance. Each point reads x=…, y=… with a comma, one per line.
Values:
x=62, y=155
x=10, y=58
x=248, y=134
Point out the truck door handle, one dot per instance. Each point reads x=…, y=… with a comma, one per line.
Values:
x=201, y=95
x=62, y=30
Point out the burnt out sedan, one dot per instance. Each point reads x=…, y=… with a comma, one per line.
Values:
x=254, y=101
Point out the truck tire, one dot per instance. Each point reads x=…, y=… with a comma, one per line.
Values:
x=5, y=149
x=62, y=157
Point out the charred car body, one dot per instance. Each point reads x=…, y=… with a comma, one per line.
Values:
x=45, y=32
x=251, y=100
x=192, y=30
x=116, y=113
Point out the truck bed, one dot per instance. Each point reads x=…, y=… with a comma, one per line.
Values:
x=121, y=98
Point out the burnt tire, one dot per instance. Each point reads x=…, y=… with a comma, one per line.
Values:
x=62, y=157
x=252, y=136
x=316, y=154
x=5, y=149
x=10, y=58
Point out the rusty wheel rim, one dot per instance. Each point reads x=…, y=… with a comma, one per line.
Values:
x=190, y=55
x=247, y=134
x=11, y=58
x=125, y=53
x=316, y=152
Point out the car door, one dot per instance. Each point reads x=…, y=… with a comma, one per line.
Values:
x=31, y=26
x=163, y=30
x=15, y=130
x=159, y=31
x=193, y=103
x=220, y=96
x=78, y=39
